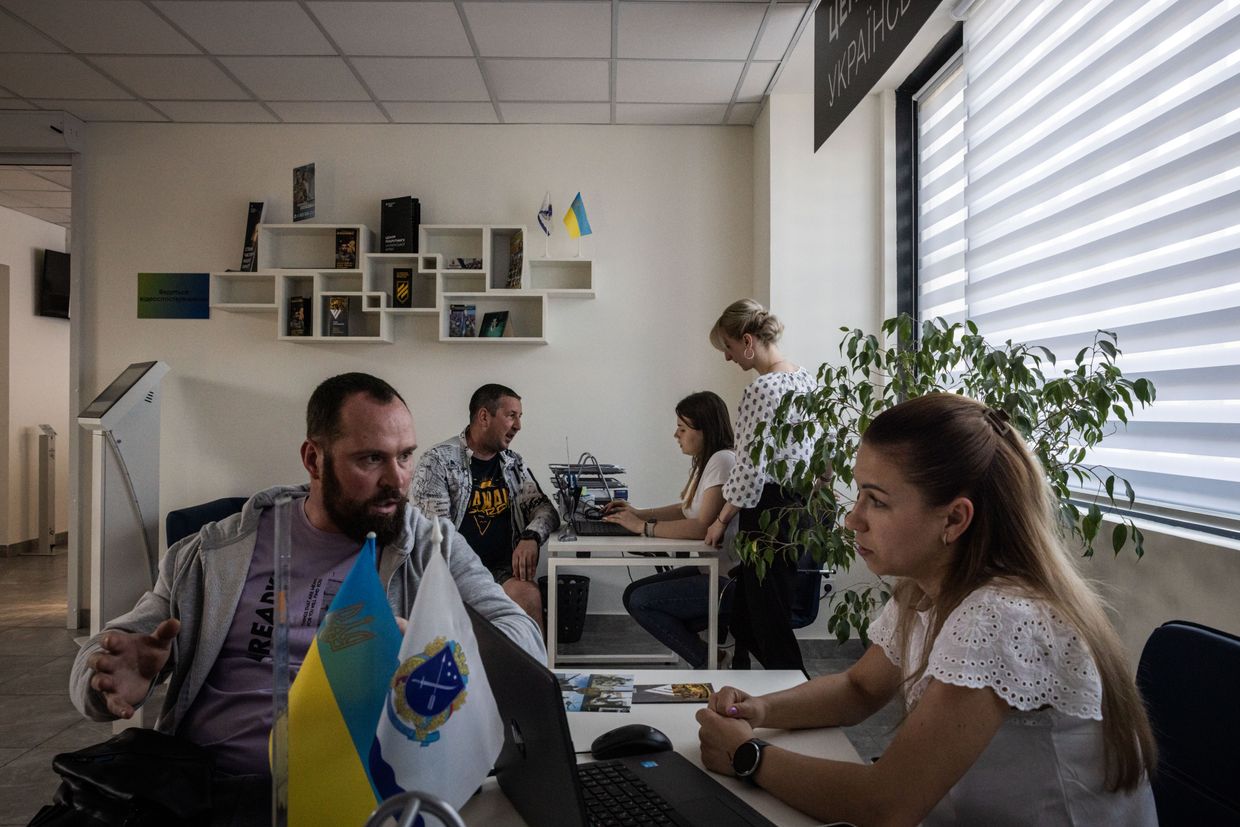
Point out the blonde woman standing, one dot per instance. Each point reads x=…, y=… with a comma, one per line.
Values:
x=1020, y=706
x=761, y=622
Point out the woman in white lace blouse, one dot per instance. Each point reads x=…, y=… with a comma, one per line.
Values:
x=1020, y=706
x=761, y=619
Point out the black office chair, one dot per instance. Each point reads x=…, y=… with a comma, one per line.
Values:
x=182, y=522
x=1189, y=676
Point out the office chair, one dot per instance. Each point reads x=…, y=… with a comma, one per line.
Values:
x=1189, y=676
x=404, y=808
x=182, y=522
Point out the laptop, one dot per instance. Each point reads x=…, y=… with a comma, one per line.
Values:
x=538, y=770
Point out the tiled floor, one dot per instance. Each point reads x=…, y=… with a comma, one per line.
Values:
x=36, y=652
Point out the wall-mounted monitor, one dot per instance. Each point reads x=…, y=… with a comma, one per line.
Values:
x=53, y=287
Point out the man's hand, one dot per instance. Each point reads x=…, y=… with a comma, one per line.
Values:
x=525, y=560
x=128, y=663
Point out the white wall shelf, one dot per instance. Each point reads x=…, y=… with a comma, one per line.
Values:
x=462, y=264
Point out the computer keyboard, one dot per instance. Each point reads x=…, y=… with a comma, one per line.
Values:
x=616, y=796
x=599, y=528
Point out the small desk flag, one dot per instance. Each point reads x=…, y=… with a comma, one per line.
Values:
x=544, y=214
x=440, y=731
x=575, y=219
x=336, y=700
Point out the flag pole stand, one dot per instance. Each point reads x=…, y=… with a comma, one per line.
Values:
x=546, y=244
x=578, y=253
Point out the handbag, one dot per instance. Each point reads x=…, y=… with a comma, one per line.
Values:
x=138, y=778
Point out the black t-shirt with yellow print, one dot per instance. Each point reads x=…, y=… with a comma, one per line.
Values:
x=487, y=525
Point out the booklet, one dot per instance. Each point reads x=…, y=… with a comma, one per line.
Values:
x=586, y=692
x=672, y=693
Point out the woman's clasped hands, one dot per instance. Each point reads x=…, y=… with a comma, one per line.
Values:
x=727, y=721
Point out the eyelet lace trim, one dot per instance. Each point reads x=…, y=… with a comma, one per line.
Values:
x=1014, y=644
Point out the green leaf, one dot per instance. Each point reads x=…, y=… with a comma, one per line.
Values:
x=1119, y=536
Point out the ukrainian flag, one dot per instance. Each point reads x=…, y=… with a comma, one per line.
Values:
x=575, y=219
x=337, y=699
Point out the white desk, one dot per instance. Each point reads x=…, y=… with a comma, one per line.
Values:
x=491, y=806
x=563, y=553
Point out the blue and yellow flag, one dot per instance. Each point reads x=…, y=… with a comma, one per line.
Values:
x=337, y=699
x=575, y=219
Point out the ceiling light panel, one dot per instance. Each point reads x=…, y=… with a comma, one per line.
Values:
x=659, y=81
x=93, y=27
x=55, y=76
x=422, y=79
x=174, y=78
x=704, y=31
x=549, y=80
x=297, y=78
x=541, y=29
x=441, y=112
x=556, y=112
x=255, y=27
x=394, y=29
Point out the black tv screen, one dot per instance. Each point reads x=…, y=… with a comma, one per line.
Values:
x=54, y=285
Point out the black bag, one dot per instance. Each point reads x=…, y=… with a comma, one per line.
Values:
x=139, y=778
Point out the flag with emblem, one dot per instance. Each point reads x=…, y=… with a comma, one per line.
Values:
x=440, y=731
x=335, y=702
x=544, y=214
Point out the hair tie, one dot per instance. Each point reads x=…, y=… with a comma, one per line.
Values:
x=998, y=419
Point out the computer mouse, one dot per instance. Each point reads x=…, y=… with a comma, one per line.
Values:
x=631, y=739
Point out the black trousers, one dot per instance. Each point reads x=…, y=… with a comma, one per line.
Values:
x=762, y=610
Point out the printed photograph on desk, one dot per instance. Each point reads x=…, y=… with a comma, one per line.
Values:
x=493, y=323
x=672, y=693
x=592, y=692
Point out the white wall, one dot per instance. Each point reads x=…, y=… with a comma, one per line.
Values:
x=671, y=209
x=34, y=378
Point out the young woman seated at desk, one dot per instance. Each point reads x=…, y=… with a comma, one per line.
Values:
x=672, y=605
x=1020, y=707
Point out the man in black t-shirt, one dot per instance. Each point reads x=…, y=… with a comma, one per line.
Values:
x=483, y=486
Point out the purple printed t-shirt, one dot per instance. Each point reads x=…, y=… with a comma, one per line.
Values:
x=231, y=717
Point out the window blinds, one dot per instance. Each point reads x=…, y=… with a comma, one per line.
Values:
x=1101, y=189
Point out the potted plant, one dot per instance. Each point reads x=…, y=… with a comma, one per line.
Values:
x=1060, y=415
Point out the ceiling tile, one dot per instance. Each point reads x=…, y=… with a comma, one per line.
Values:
x=549, y=80
x=756, y=79
x=720, y=31
x=16, y=36
x=14, y=178
x=394, y=29
x=52, y=216
x=54, y=76
x=254, y=27
x=94, y=27
x=57, y=174
x=328, y=112
x=297, y=78
x=744, y=113
x=14, y=200
x=59, y=199
x=214, y=111
x=104, y=110
x=172, y=78
x=441, y=112
x=671, y=113
x=541, y=29
x=655, y=81
x=422, y=79
x=556, y=112
x=15, y=103
x=781, y=25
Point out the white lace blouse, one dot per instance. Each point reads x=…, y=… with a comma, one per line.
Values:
x=1045, y=764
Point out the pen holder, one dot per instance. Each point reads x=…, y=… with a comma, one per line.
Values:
x=572, y=595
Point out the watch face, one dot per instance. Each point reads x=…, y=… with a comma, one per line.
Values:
x=745, y=759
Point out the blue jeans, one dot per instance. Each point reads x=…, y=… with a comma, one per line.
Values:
x=671, y=606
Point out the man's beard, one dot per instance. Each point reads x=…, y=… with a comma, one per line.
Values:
x=353, y=518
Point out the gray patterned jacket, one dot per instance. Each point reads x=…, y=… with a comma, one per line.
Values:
x=442, y=485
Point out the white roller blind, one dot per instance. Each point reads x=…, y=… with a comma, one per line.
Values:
x=1102, y=190
x=940, y=195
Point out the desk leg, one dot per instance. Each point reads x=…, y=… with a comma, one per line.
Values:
x=712, y=613
x=553, y=591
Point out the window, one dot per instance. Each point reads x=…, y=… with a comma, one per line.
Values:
x=1077, y=169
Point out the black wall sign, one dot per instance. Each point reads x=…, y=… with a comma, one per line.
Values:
x=855, y=43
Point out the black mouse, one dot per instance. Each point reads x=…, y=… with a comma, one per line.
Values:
x=632, y=739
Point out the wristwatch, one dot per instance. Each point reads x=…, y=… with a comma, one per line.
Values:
x=747, y=759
